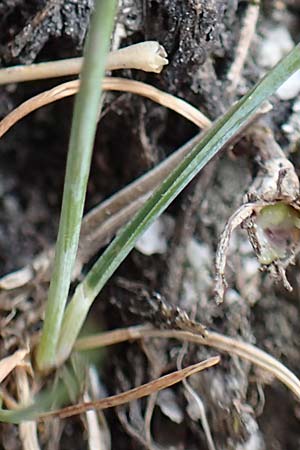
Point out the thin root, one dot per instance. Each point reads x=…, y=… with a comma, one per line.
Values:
x=246, y=36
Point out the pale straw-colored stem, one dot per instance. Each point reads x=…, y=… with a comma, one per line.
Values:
x=148, y=56
x=218, y=341
x=109, y=84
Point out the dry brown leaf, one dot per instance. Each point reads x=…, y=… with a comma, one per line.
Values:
x=135, y=393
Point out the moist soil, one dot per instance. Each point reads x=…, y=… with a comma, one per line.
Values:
x=245, y=408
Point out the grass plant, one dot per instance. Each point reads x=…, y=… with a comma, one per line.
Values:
x=81, y=142
x=63, y=323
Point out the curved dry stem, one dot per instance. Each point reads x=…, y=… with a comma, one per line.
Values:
x=224, y=343
x=109, y=84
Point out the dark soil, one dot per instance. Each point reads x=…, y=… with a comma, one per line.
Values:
x=135, y=134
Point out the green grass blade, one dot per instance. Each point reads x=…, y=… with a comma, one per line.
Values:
x=214, y=139
x=78, y=165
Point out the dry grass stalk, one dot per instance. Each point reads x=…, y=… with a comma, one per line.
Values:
x=133, y=394
x=8, y=364
x=27, y=429
x=218, y=341
x=148, y=56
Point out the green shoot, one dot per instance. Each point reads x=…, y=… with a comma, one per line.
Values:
x=77, y=171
